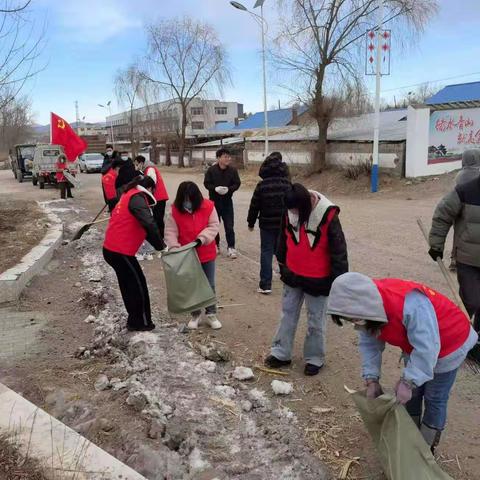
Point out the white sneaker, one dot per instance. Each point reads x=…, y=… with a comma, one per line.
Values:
x=232, y=253
x=194, y=321
x=264, y=291
x=213, y=322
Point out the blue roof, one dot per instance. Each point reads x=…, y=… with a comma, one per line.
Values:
x=276, y=118
x=461, y=92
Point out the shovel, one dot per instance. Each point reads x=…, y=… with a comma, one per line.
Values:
x=87, y=226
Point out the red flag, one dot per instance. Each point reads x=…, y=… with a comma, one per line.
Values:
x=63, y=134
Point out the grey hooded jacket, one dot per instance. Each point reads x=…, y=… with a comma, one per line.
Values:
x=470, y=166
x=460, y=208
x=355, y=296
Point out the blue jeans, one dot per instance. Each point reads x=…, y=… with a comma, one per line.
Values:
x=432, y=395
x=209, y=269
x=314, y=345
x=268, y=246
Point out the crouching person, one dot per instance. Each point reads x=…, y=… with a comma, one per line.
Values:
x=312, y=252
x=194, y=219
x=130, y=224
x=432, y=332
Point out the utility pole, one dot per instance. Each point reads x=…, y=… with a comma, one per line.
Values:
x=77, y=117
x=378, y=75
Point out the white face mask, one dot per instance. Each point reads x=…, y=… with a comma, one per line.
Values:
x=109, y=153
x=293, y=218
x=124, y=157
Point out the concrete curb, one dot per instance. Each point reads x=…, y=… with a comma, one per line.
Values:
x=60, y=450
x=14, y=280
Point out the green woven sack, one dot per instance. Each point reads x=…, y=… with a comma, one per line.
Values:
x=403, y=452
x=187, y=285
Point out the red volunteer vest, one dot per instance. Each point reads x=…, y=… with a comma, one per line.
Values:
x=453, y=325
x=59, y=176
x=160, y=189
x=108, y=184
x=191, y=224
x=124, y=233
x=306, y=261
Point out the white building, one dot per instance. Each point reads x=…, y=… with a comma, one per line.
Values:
x=165, y=117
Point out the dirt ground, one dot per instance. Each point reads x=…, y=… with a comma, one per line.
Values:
x=383, y=240
x=22, y=226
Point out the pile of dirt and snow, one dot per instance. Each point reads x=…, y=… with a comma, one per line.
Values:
x=203, y=417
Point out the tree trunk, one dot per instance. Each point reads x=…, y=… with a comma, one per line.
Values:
x=320, y=157
x=168, y=159
x=181, y=143
x=154, y=151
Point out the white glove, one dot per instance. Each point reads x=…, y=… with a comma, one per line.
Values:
x=221, y=190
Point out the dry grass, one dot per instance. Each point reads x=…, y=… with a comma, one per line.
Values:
x=13, y=466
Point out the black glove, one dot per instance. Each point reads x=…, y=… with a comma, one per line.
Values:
x=435, y=254
x=198, y=242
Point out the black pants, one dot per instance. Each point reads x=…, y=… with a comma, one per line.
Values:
x=159, y=215
x=133, y=287
x=469, y=280
x=225, y=213
x=65, y=188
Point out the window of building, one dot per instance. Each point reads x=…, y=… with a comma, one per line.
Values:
x=196, y=110
x=220, y=110
x=197, y=126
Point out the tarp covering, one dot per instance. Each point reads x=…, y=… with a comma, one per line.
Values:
x=187, y=285
x=403, y=452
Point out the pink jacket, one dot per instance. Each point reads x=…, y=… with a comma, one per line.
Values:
x=206, y=236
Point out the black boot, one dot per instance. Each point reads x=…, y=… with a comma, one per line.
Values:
x=431, y=436
x=274, y=362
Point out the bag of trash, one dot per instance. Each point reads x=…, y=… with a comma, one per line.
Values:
x=187, y=285
x=403, y=452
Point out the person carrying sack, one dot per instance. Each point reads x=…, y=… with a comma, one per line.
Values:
x=432, y=332
x=130, y=224
x=194, y=219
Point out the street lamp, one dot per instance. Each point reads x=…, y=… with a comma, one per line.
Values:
x=243, y=8
x=111, y=120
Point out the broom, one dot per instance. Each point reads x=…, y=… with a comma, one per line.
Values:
x=87, y=226
x=473, y=362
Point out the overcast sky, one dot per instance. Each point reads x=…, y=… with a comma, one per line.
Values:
x=88, y=40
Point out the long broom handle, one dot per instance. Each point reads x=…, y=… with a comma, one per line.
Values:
x=444, y=271
x=99, y=213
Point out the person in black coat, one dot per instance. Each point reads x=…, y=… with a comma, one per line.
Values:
x=267, y=205
x=126, y=173
x=109, y=156
x=222, y=181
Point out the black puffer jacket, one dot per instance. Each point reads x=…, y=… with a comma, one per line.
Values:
x=267, y=201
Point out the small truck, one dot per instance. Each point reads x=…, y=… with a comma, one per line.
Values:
x=21, y=160
x=44, y=164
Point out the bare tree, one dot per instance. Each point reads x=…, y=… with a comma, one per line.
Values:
x=21, y=44
x=186, y=60
x=128, y=85
x=320, y=41
x=15, y=123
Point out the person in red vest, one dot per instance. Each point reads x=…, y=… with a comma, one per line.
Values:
x=432, y=332
x=161, y=195
x=130, y=224
x=108, y=184
x=312, y=252
x=195, y=219
x=62, y=181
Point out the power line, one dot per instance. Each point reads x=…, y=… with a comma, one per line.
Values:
x=431, y=81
